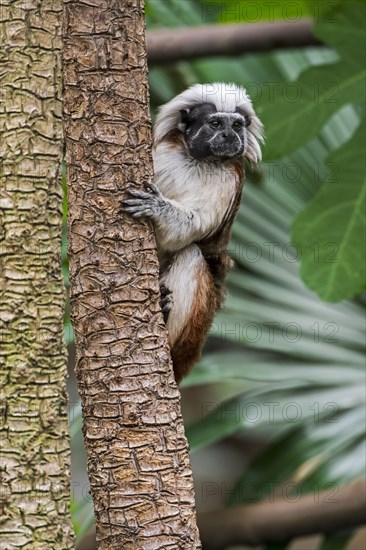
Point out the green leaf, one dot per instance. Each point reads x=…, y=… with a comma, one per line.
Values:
x=261, y=10
x=335, y=23
x=294, y=112
x=261, y=480
x=173, y=13
x=83, y=519
x=69, y=335
x=218, y=423
x=336, y=541
x=331, y=229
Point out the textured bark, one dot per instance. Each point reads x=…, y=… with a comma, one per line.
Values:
x=138, y=464
x=35, y=497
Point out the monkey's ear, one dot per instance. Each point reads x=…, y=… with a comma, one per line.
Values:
x=184, y=117
x=248, y=120
x=184, y=120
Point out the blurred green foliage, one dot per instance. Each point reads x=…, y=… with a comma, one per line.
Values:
x=294, y=114
x=177, y=13
x=331, y=229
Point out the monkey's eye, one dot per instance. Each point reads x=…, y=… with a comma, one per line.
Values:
x=237, y=125
x=248, y=120
x=214, y=123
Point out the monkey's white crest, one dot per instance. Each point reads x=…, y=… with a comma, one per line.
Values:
x=227, y=98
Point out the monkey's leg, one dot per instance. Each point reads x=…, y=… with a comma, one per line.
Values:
x=193, y=307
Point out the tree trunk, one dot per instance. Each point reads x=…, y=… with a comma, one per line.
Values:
x=35, y=444
x=138, y=463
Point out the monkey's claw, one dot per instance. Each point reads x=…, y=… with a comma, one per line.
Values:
x=153, y=188
x=137, y=207
x=143, y=204
x=166, y=301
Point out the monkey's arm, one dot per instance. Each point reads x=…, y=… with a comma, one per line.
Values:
x=176, y=225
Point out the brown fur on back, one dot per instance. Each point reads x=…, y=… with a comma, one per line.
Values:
x=187, y=349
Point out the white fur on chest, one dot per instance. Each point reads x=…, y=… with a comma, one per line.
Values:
x=206, y=187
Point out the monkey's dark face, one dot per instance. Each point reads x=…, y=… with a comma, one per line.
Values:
x=212, y=134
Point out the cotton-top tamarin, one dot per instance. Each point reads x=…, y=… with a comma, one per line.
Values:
x=201, y=138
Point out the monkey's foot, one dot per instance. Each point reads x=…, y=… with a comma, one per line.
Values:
x=144, y=204
x=166, y=301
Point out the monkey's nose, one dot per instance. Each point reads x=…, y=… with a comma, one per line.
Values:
x=224, y=134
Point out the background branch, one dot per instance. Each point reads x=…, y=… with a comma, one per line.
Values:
x=282, y=520
x=177, y=44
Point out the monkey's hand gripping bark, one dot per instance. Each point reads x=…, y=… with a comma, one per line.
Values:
x=145, y=204
x=176, y=225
